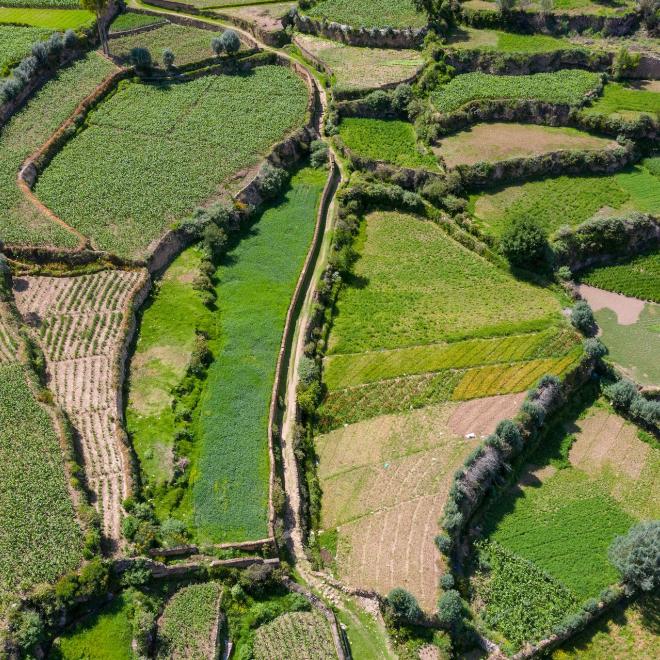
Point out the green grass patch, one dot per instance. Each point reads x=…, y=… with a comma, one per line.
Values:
x=369, y=13
x=624, y=99
x=42, y=4
x=504, y=42
x=20, y=222
x=413, y=284
x=131, y=20
x=166, y=148
x=16, y=43
x=638, y=277
x=567, y=200
x=566, y=86
x=40, y=537
x=51, y=19
x=390, y=140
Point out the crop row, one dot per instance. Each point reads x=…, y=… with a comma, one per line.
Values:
x=8, y=344
x=566, y=86
x=295, y=636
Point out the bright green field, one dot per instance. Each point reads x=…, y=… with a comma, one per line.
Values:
x=255, y=284
x=130, y=21
x=52, y=19
x=415, y=285
x=566, y=86
x=638, y=278
x=390, y=140
x=166, y=149
x=27, y=131
x=369, y=13
x=16, y=43
x=619, y=98
x=504, y=42
x=39, y=535
x=42, y=4
x=568, y=200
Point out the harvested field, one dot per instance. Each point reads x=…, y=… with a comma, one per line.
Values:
x=81, y=323
x=499, y=141
x=484, y=414
x=627, y=309
x=362, y=69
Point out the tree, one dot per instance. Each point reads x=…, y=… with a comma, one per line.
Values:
x=637, y=555
x=525, y=244
x=168, y=58
x=230, y=42
x=450, y=609
x=216, y=45
x=582, y=317
x=141, y=59
x=594, y=348
x=403, y=606
x=622, y=394
x=99, y=7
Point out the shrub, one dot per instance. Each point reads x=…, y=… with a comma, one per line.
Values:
x=273, y=180
x=319, y=153
x=217, y=46
x=509, y=432
x=402, y=606
x=141, y=58
x=27, y=629
x=591, y=606
x=582, y=317
x=525, y=243
x=40, y=52
x=450, y=609
x=401, y=98
x=173, y=532
x=649, y=11
x=594, y=348
x=637, y=556
x=645, y=411
x=564, y=273
x=215, y=241
x=70, y=39
x=168, y=58
x=308, y=370
x=257, y=578
x=624, y=62
x=230, y=42
x=533, y=412
x=447, y=581
x=443, y=543
x=622, y=394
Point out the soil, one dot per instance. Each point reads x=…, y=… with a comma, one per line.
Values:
x=481, y=416
x=627, y=309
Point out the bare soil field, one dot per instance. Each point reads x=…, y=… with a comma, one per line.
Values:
x=384, y=484
x=499, y=141
x=80, y=324
x=627, y=309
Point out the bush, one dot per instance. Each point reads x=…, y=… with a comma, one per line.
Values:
x=509, y=432
x=402, y=606
x=215, y=241
x=230, y=42
x=637, y=556
x=533, y=412
x=450, y=609
x=141, y=59
x=443, y=543
x=70, y=39
x=217, y=46
x=564, y=273
x=401, y=98
x=168, y=58
x=256, y=579
x=645, y=411
x=622, y=394
x=624, y=62
x=582, y=317
x=525, y=244
x=319, y=153
x=273, y=180
x=447, y=581
x=594, y=348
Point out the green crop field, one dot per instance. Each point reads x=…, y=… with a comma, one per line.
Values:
x=27, y=131
x=295, y=636
x=639, y=277
x=369, y=13
x=200, y=130
x=16, y=43
x=504, y=42
x=390, y=140
x=51, y=19
x=566, y=86
x=577, y=7
x=42, y=4
x=130, y=21
x=187, y=623
x=40, y=537
x=567, y=200
x=625, y=100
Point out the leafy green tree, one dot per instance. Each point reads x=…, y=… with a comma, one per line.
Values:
x=217, y=46
x=402, y=607
x=450, y=609
x=141, y=58
x=525, y=244
x=637, y=556
x=230, y=42
x=582, y=317
x=99, y=7
x=622, y=394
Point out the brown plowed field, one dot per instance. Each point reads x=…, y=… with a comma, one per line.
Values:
x=80, y=324
x=384, y=483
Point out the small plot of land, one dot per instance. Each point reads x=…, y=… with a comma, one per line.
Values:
x=166, y=149
x=295, y=636
x=568, y=200
x=52, y=19
x=369, y=13
x=189, y=44
x=576, y=7
x=45, y=4
x=384, y=483
x=16, y=43
x=639, y=277
x=504, y=42
x=566, y=86
x=81, y=323
x=20, y=221
x=390, y=140
x=627, y=100
x=362, y=69
x=131, y=21
x=499, y=141
x=630, y=328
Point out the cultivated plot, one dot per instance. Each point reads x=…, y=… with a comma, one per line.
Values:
x=504, y=42
x=370, y=13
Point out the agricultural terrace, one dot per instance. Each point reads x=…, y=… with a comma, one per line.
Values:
x=384, y=482
x=568, y=200
x=629, y=328
x=42, y=4
x=369, y=13
x=20, y=221
x=499, y=141
x=638, y=277
x=16, y=43
x=628, y=100
x=51, y=19
x=464, y=37
x=576, y=7
x=390, y=140
x=227, y=498
x=567, y=86
x=188, y=625
x=295, y=636
x=80, y=324
x=406, y=334
x=131, y=21
x=362, y=69
x=591, y=479
x=203, y=131
x=190, y=44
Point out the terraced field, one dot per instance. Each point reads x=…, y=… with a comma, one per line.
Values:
x=369, y=14
x=81, y=323
x=50, y=19
x=504, y=42
x=627, y=100
x=295, y=636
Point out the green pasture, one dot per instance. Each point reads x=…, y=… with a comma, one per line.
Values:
x=369, y=13
x=50, y=19
x=625, y=99
x=390, y=140
x=130, y=21
x=464, y=37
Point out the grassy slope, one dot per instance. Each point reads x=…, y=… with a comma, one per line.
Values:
x=369, y=13
x=619, y=98
x=28, y=130
x=52, y=19
x=389, y=140
x=167, y=149
x=255, y=284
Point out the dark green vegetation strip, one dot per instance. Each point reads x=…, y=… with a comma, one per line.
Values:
x=39, y=536
x=26, y=132
x=568, y=86
x=369, y=13
x=390, y=140
x=16, y=43
x=166, y=149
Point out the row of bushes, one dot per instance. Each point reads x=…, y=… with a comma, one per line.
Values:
x=627, y=400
